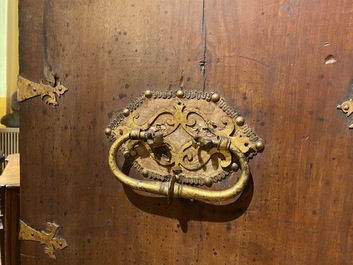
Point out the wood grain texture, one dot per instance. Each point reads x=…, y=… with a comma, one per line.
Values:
x=273, y=69
x=10, y=208
x=266, y=57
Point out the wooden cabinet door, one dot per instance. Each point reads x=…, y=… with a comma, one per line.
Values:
x=284, y=65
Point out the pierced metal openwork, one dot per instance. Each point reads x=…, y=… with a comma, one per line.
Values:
x=185, y=144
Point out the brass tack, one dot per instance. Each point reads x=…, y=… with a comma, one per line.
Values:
x=234, y=167
x=260, y=146
x=180, y=93
x=108, y=131
x=144, y=173
x=126, y=112
x=208, y=182
x=215, y=97
x=148, y=94
x=240, y=121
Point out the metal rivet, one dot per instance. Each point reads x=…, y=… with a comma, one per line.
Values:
x=127, y=155
x=126, y=112
x=215, y=97
x=240, y=121
x=148, y=94
x=180, y=93
x=108, y=131
x=346, y=107
x=144, y=173
x=260, y=146
x=208, y=182
x=234, y=167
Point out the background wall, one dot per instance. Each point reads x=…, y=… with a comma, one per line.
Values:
x=3, y=45
x=8, y=53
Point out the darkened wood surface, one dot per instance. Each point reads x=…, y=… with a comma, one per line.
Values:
x=10, y=208
x=266, y=58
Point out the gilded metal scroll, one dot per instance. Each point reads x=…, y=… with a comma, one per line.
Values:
x=182, y=140
x=28, y=89
x=48, y=238
x=347, y=108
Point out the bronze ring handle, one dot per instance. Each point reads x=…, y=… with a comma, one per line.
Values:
x=179, y=190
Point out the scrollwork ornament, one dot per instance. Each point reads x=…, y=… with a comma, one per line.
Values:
x=190, y=134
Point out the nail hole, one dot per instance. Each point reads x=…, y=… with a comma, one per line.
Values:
x=330, y=59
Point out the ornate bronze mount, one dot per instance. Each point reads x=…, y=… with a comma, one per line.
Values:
x=347, y=107
x=182, y=141
x=49, y=238
x=28, y=89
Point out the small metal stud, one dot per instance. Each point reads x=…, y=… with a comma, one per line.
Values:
x=126, y=112
x=208, y=182
x=108, y=131
x=260, y=146
x=148, y=94
x=127, y=155
x=215, y=97
x=180, y=93
x=234, y=167
x=144, y=173
x=240, y=121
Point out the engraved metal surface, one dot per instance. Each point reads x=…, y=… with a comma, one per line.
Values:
x=48, y=238
x=347, y=108
x=28, y=89
x=183, y=137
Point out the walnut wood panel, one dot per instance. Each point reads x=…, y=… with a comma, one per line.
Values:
x=270, y=59
x=266, y=57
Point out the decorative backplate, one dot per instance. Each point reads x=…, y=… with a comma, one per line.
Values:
x=183, y=137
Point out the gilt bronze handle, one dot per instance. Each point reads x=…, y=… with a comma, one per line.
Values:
x=185, y=144
x=179, y=190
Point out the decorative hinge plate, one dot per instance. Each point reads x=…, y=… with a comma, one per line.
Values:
x=48, y=238
x=29, y=89
x=347, y=108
